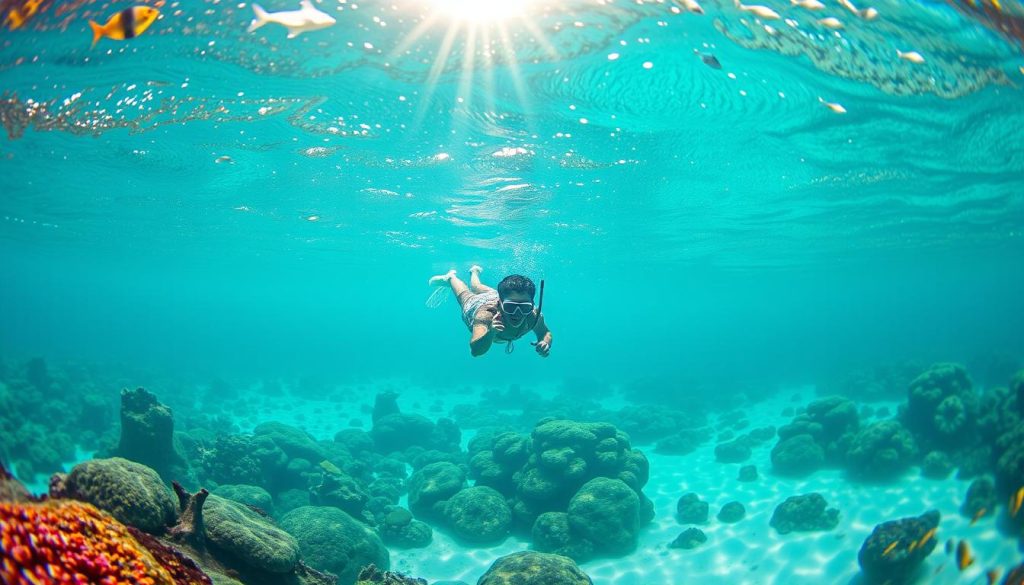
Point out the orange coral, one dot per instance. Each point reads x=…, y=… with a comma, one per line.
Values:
x=64, y=542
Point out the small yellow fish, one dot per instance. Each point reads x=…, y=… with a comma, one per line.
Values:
x=1022, y=69
x=992, y=576
x=890, y=548
x=868, y=14
x=998, y=4
x=1017, y=499
x=837, y=108
x=912, y=56
x=964, y=558
x=831, y=22
x=330, y=467
x=127, y=24
x=913, y=546
x=978, y=516
x=19, y=15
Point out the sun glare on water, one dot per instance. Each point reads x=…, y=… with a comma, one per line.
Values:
x=482, y=34
x=482, y=11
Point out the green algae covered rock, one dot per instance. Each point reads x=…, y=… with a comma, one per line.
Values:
x=797, y=455
x=129, y=491
x=247, y=494
x=479, y=514
x=606, y=512
x=806, y=513
x=253, y=539
x=333, y=541
x=534, y=568
x=430, y=487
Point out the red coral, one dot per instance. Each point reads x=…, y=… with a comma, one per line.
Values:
x=63, y=542
x=183, y=570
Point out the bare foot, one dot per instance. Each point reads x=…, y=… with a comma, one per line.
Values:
x=441, y=279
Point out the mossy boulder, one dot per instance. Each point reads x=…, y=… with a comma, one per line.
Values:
x=882, y=450
x=400, y=529
x=129, y=491
x=534, y=568
x=735, y=451
x=333, y=541
x=806, y=513
x=936, y=465
x=606, y=512
x=691, y=510
x=731, y=512
x=247, y=494
x=253, y=539
x=552, y=534
x=689, y=539
x=295, y=442
x=479, y=515
x=797, y=455
x=430, y=488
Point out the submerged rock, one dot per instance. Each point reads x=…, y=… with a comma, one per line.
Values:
x=333, y=541
x=534, y=568
x=806, y=513
x=691, y=510
x=479, y=514
x=907, y=547
x=732, y=512
x=689, y=539
x=980, y=499
x=129, y=491
x=747, y=473
x=237, y=529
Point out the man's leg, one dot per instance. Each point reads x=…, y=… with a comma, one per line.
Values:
x=474, y=280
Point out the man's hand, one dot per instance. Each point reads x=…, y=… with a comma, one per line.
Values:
x=497, y=324
x=543, y=348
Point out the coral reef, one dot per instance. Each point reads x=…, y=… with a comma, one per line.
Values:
x=818, y=437
x=942, y=408
x=882, y=450
x=534, y=568
x=899, y=564
x=72, y=542
x=805, y=513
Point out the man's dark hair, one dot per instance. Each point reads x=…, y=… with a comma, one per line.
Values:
x=516, y=283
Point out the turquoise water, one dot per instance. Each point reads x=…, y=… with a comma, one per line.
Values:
x=201, y=202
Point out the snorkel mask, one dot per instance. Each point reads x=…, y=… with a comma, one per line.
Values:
x=515, y=311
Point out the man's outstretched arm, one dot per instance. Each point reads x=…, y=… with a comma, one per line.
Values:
x=481, y=339
x=543, y=344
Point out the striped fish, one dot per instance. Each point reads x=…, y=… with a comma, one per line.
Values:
x=127, y=24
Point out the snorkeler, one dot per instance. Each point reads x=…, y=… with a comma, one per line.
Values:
x=498, y=316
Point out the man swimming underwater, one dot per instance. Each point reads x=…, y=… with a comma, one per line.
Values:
x=497, y=316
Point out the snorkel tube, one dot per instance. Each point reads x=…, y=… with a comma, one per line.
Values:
x=540, y=305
